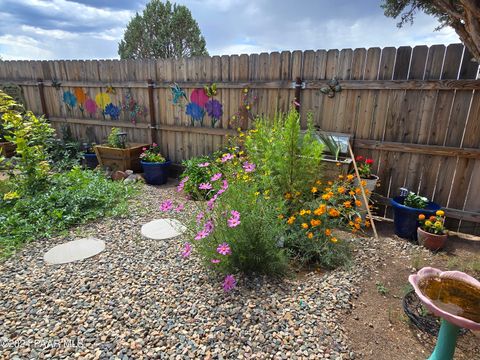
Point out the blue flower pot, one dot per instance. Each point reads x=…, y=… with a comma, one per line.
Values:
x=91, y=160
x=406, y=218
x=156, y=173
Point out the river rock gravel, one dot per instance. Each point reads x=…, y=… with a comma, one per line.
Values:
x=139, y=299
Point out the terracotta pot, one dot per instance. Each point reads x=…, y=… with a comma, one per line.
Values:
x=431, y=241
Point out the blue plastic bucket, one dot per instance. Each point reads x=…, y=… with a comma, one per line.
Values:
x=406, y=218
x=91, y=160
x=155, y=173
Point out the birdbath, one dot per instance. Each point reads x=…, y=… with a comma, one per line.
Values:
x=455, y=297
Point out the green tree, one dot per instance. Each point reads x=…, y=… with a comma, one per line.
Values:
x=462, y=15
x=163, y=31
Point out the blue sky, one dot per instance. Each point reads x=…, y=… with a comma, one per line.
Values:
x=91, y=29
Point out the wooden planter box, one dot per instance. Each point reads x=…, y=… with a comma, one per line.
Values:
x=120, y=159
x=7, y=149
x=331, y=170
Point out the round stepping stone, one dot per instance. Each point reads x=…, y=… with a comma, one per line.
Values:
x=73, y=251
x=163, y=229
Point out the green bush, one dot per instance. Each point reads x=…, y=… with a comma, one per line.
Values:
x=72, y=198
x=288, y=159
x=197, y=174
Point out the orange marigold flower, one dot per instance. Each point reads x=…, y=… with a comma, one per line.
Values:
x=315, y=222
x=433, y=218
x=358, y=219
x=351, y=223
x=333, y=239
x=314, y=190
x=367, y=191
x=318, y=182
x=328, y=232
x=363, y=183
x=340, y=177
x=350, y=177
x=333, y=212
x=347, y=204
x=328, y=189
x=305, y=225
x=357, y=226
x=338, y=164
x=358, y=203
x=357, y=191
x=291, y=220
x=303, y=212
x=421, y=217
x=341, y=190
x=351, y=193
x=288, y=196
x=297, y=193
x=326, y=196
x=309, y=235
x=367, y=223
x=330, y=183
x=320, y=210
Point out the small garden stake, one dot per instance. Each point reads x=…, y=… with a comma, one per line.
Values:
x=363, y=191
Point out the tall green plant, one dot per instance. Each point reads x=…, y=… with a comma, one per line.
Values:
x=289, y=158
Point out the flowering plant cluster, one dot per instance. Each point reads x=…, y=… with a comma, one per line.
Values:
x=433, y=224
x=364, y=166
x=152, y=154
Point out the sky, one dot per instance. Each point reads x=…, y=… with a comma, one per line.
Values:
x=91, y=29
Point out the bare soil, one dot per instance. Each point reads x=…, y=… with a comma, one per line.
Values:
x=378, y=328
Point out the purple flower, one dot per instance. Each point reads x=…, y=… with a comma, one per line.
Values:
x=215, y=261
x=200, y=216
x=235, y=214
x=187, y=250
x=224, y=249
x=225, y=185
x=229, y=283
x=205, y=164
x=181, y=185
x=208, y=227
x=166, y=205
x=249, y=167
x=214, y=109
x=205, y=186
x=179, y=208
x=216, y=177
x=234, y=220
x=226, y=157
x=201, y=235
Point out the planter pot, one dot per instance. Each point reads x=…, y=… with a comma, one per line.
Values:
x=120, y=159
x=156, y=173
x=331, y=170
x=406, y=218
x=431, y=241
x=7, y=149
x=370, y=185
x=91, y=160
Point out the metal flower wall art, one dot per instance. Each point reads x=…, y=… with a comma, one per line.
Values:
x=70, y=100
x=178, y=95
x=201, y=102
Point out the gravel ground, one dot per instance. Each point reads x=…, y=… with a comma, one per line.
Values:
x=140, y=299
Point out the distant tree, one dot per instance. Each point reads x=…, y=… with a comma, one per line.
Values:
x=461, y=15
x=162, y=31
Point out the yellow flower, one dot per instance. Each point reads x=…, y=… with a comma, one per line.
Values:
x=291, y=220
x=357, y=191
x=367, y=223
x=288, y=196
x=245, y=90
x=358, y=219
x=315, y=222
x=341, y=190
x=340, y=177
x=351, y=223
x=350, y=177
x=257, y=193
x=314, y=190
x=305, y=225
x=328, y=232
x=239, y=129
x=363, y=183
x=11, y=195
x=358, y=203
x=326, y=196
x=320, y=210
x=440, y=213
x=247, y=107
x=351, y=193
x=347, y=204
x=338, y=164
x=281, y=216
x=303, y=212
x=318, y=182
x=333, y=212
x=297, y=193
x=309, y=235
x=330, y=183
x=333, y=239
x=328, y=189
x=428, y=223
x=438, y=224
x=241, y=134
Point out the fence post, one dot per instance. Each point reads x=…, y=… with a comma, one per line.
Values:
x=153, y=123
x=42, y=96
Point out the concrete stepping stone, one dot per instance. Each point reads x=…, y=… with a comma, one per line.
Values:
x=74, y=251
x=163, y=229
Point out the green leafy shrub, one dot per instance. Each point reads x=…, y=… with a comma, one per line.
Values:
x=199, y=170
x=289, y=160
x=72, y=198
x=65, y=153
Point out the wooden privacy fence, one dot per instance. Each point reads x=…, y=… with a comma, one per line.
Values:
x=416, y=111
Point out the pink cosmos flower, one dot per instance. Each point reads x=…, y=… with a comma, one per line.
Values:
x=211, y=202
x=144, y=149
x=249, y=167
x=235, y=214
x=216, y=177
x=215, y=261
x=166, y=205
x=154, y=144
x=202, y=234
x=225, y=185
x=229, y=283
x=226, y=157
x=200, y=216
x=224, y=249
x=179, y=208
x=181, y=184
x=205, y=164
x=205, y=186
x=233, y=222
x=187, y=250
x=208, y=227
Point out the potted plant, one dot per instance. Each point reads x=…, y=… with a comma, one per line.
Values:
x=432, y=233
x=155, y=166
x=333, y=163
x=406, y=210
x=89, y=156
x=368, y=180
x=119, y=155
